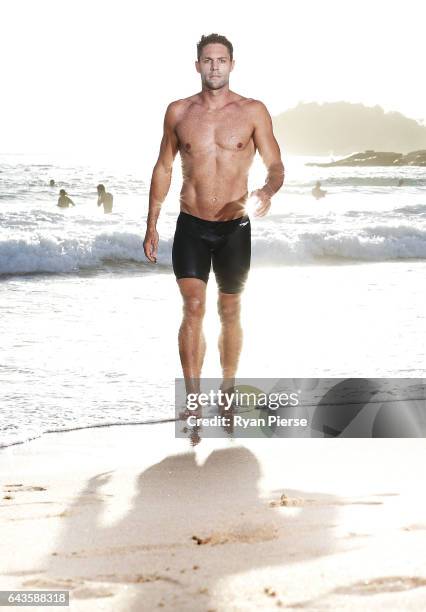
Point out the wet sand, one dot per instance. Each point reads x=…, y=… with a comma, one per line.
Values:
x=129, y=518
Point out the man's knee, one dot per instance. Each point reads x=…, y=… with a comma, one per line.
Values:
x=194, y=306
x=229, y=307
x=193, y=291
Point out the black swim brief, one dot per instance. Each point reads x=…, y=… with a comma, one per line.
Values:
x=227, y=244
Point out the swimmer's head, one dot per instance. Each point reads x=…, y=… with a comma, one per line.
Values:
x=62, y=192
x=214, y=60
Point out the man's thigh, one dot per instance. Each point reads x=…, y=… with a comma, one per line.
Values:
x=191, y=255
x=231, y=261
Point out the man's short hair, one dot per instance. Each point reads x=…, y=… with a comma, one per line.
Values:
x=214, y=38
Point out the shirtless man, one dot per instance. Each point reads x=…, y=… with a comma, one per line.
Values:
x=64, y=200
x=217, y=133
x=104, y=198
x=317, y=192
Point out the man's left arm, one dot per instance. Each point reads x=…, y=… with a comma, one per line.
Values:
x=270, y=153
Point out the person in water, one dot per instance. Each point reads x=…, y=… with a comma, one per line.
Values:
x=104, y=198
x=64, y=200
x=51, y=183
x=217, y=133
x=317, y=192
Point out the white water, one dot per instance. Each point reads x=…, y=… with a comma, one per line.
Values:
x=364, y=217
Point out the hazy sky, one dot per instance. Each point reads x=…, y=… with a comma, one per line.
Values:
x=97, y=76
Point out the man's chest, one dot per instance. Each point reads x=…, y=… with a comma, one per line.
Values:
x=201, y=131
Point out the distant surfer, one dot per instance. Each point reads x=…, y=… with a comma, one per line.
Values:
x=104, y=198
x=217, y=133
x=64, y=200
x=400, y=182
x=51, y=183
x=317, y=192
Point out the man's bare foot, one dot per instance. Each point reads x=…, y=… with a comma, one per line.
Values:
x=194, y=436
x=228, y=422
x=187, y=412
x=192, y=431
x=227, y=408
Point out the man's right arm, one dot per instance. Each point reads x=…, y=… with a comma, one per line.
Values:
x=161, y=179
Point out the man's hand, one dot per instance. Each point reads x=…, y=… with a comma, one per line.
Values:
x=150, y=245
x=264, y=200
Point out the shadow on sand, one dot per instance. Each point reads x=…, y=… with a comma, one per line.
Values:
x=189, y=527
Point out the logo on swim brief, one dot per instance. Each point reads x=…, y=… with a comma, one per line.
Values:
x=242, y=224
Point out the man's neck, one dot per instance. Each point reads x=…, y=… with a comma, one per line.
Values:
x=215, y=99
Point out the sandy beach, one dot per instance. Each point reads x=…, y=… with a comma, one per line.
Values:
x=128, y=518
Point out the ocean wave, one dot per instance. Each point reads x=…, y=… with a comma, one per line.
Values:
x=375, y=243
x=360, y=187
x=37, y=253
x=414, y=209
x=367, y=181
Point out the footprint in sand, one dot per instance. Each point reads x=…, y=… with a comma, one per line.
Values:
x=299, y=501
x=375, y=586
x=17, y=488
x=41, y=516
x=91, y=593
x=290, y=501
x=387, y=584
x=23, y=573
x=246, y=535
x=136, y=578
x=54, y=583
x=76, y=585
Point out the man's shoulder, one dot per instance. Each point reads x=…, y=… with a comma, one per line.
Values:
x=177, y=106
x=256, y=106
x=176, y=110
x=257, y=113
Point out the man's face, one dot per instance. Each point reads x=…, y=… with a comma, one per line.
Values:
x=214, y=66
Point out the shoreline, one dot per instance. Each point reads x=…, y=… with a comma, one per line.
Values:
x=133, y=268
x=78, y=428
